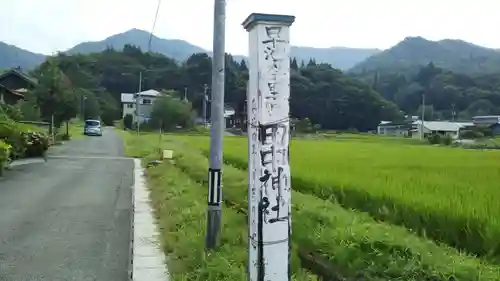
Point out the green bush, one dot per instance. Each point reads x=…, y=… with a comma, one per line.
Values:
x=146, y=127
x=66, y=137
x=484, y=130
x=447, y=140
x=472, y=134
x=434, y=139
x=4, y=154
x=62, y=135
x=13, y=112
x=36, y=144
x=127, y=121
x=24, y=141
x=12, y=135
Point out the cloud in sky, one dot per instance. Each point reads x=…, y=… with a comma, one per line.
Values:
x=51, y=25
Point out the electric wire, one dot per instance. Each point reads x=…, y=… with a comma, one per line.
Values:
x=154, y=25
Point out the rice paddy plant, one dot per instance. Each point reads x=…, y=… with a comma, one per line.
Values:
x=447, y=194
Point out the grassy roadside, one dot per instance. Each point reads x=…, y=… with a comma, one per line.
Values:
x=180, y=207
x=352, y=243
x=180, y=210
x=76, y=129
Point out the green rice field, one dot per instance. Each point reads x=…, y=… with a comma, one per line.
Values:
x=448, y=194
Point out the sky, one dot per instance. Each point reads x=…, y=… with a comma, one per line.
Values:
x=55, y=25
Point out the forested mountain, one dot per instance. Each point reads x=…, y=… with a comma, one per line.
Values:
x=12, y=56
x=339, y=57
x=414, y=52
x=408, y=55
x=448, y=95
x=323, y=94
x=173, y=48
x=318, y=91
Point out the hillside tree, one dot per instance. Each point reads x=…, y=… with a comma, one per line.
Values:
x=54, y=94
x=319, y=92
x=169, y=112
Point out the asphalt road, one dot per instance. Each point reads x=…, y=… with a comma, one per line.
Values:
x=69, y=218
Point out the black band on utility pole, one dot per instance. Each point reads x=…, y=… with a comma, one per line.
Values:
x=214, y=187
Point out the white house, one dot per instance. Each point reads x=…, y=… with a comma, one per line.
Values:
x=441, y=127
x=407, y=128
x=146, y=100
x=389, y=128
x=229, y=114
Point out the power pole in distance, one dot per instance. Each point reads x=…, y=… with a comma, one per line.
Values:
x=423, y=117
x=205, y=101
x=137, y=104
x=453, y=112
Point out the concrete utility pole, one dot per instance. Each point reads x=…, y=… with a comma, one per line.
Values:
x=217, y=129
x=423, y=115
x=185, y=94
x=137, y=104
x=453, y=112
x=52, y=129
x=84, y=98
x=268, y=107
x=205, y=101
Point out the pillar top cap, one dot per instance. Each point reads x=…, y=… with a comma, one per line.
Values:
x=254, y=18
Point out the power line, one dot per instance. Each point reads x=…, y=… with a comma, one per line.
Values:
x=140, y=73
x=154, y=24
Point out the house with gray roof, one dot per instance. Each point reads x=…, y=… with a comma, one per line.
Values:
x=448, y=128
x=413, y=128
x=146, y=101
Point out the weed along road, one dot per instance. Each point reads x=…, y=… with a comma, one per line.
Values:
x=69, y=218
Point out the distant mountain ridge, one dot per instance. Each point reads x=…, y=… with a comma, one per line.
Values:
x=412, y=52
x=339, y=57
x=12, y=56
x=173, y=48
x=455, y=55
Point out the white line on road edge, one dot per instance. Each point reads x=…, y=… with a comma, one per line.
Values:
x=148, y=261
x=88, y=157
x=20, y=162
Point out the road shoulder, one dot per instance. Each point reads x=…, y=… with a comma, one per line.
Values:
x=148, y=261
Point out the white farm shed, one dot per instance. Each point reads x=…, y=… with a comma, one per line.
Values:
x=441, y=127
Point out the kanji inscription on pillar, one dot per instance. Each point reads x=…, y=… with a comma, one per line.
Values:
x=269, y=188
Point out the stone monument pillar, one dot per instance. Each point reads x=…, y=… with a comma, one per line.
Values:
x=269, y=188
